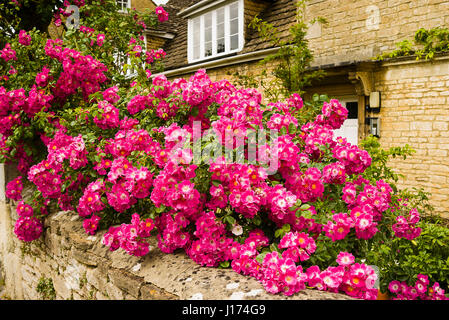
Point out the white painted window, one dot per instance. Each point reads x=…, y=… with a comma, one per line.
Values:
x=123, y=5
x=217, y=32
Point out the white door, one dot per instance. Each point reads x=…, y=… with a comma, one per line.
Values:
x=350, y=127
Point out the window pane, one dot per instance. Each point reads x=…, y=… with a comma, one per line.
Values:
x=208, y=49
x=234, y=26
x=196, y=52
x=196, y=38
x=234, y=42
x=208, y=34
x=220, y=30
x=220, y=45
x=220, y=15
x=208, y=20
x=196, y=32
x=234, y=10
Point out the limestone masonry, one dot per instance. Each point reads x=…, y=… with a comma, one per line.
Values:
x=80, y=267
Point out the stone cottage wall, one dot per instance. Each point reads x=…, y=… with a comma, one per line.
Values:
x=360, y=29
x=415, y=111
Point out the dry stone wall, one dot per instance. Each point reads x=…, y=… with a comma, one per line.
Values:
x=66, y=263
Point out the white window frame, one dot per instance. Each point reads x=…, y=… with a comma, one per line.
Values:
x=123, y=9
x=227, y=38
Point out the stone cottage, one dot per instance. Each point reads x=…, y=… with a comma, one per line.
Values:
x=401, y=100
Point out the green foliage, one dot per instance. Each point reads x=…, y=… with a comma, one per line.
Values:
x=380, y=169
x=380, y=157
x=426, y=44
x=46, y=289
x=105, y=19
x=29, y=15
x=400, y=259
x=292, y=71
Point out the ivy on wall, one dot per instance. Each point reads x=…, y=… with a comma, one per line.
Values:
x=425, y=45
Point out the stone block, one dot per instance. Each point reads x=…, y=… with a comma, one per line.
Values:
x=96, y=278
x=126, y=281
x=113, y=293
x=151, y=292
x=84, y=257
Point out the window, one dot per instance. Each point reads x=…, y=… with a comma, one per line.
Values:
x=123, y=5
x=216, y=32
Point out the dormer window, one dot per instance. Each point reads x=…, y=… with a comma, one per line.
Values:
x=123, y=5
x=215, y=32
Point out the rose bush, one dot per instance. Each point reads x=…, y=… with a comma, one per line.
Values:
x=202, y=166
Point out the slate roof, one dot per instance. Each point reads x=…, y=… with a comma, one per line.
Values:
x=281, y=13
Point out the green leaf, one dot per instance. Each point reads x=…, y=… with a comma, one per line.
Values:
x=230, y=220
x=195, y=111
x=216, y=183
x=261, y=257
x=274, y=247
x=257, y=220
x=283, y=131
x=291, y=128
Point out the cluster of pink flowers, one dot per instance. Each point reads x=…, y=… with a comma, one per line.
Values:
x=211, y=246
x=129, y=184
x=406, y=227
x=28, y=228
x=79, y=71
x=24, y=210
x=334, y=173
x=315, y=136
x=355, y=279
x=138, y=103
x=295, y=102
x=133, y=237
x=8, y=53
x=109, y=116
x=47, y=178
x=172, y=187
x=245, y=185
x=354, y=159
x=420, y=290
x=280, y=202
x=279, y=274
x=90, y=202
x=299, y=246
x=63, y=147
x=15, y=101
x=278, y=121
x=24, y=38
x=243, y=256
x=172, y=234
x=14, y=189
x=162, y=15
x=42, y=77
x=90, y=225
x=332, y=114
x=366, y=210
x=154, y=55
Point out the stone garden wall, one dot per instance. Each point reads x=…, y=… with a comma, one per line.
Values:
x=66, y=263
